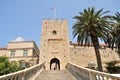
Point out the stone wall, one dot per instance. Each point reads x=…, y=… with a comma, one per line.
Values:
x=84, y=55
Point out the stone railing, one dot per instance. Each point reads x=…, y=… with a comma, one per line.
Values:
x=82, y=73
x=26, y=74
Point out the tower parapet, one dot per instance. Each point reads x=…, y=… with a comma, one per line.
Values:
x=54, y=20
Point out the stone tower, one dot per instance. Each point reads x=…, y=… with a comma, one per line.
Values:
x=54, y=48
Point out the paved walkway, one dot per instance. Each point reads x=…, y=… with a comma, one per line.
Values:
x=55, y=75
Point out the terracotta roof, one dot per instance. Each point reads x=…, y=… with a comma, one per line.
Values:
x=105, y=45
x=76, y=43
x=3, y=48
x=73, y=43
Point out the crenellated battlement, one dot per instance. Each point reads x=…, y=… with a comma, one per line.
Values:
x=54, y=20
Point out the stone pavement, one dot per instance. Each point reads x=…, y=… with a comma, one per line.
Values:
x=55, y=75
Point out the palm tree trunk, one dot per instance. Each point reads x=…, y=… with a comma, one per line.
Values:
x=118, y=49
x=109, y=45
x=97, y=52
x=112, y=46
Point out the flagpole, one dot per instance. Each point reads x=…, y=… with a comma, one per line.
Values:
x=54, y=12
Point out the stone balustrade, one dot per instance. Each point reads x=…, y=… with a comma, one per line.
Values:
x=26, y=74
x=82, y=73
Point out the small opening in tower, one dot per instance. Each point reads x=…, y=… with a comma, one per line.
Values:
x=54, y=33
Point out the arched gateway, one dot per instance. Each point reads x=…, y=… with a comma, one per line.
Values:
x=54, y=64
x=54, y=45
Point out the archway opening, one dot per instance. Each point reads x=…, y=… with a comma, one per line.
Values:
x=54, y=64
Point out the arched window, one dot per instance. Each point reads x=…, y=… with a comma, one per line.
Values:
x=54, y=33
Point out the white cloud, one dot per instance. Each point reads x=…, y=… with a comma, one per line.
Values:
x=18, y=39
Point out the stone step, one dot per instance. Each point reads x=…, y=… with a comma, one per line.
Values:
x=55, y=75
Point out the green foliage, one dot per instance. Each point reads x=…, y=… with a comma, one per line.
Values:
x=111, y=63
x=112, y=67
x=91, y=23
x=114, y=41
x=7, y=67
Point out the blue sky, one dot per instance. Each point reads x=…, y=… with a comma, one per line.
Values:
x=23, y=18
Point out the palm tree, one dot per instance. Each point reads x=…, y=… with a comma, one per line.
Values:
x=111, y=40
x=91, y=25
x=116, y=31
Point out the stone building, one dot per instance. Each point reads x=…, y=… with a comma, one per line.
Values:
x=3, y=51
x=56, y=51
x=24, y=52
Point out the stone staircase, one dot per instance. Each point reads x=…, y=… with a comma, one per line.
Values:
x=55, y=75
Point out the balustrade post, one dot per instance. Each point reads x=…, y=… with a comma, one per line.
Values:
x=92, y=75
x=23, y=76
x=19, y=76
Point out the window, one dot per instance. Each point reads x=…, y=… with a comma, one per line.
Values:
x=23, y=64
x=25, y=53
x=54, y=32
x=12, y=53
